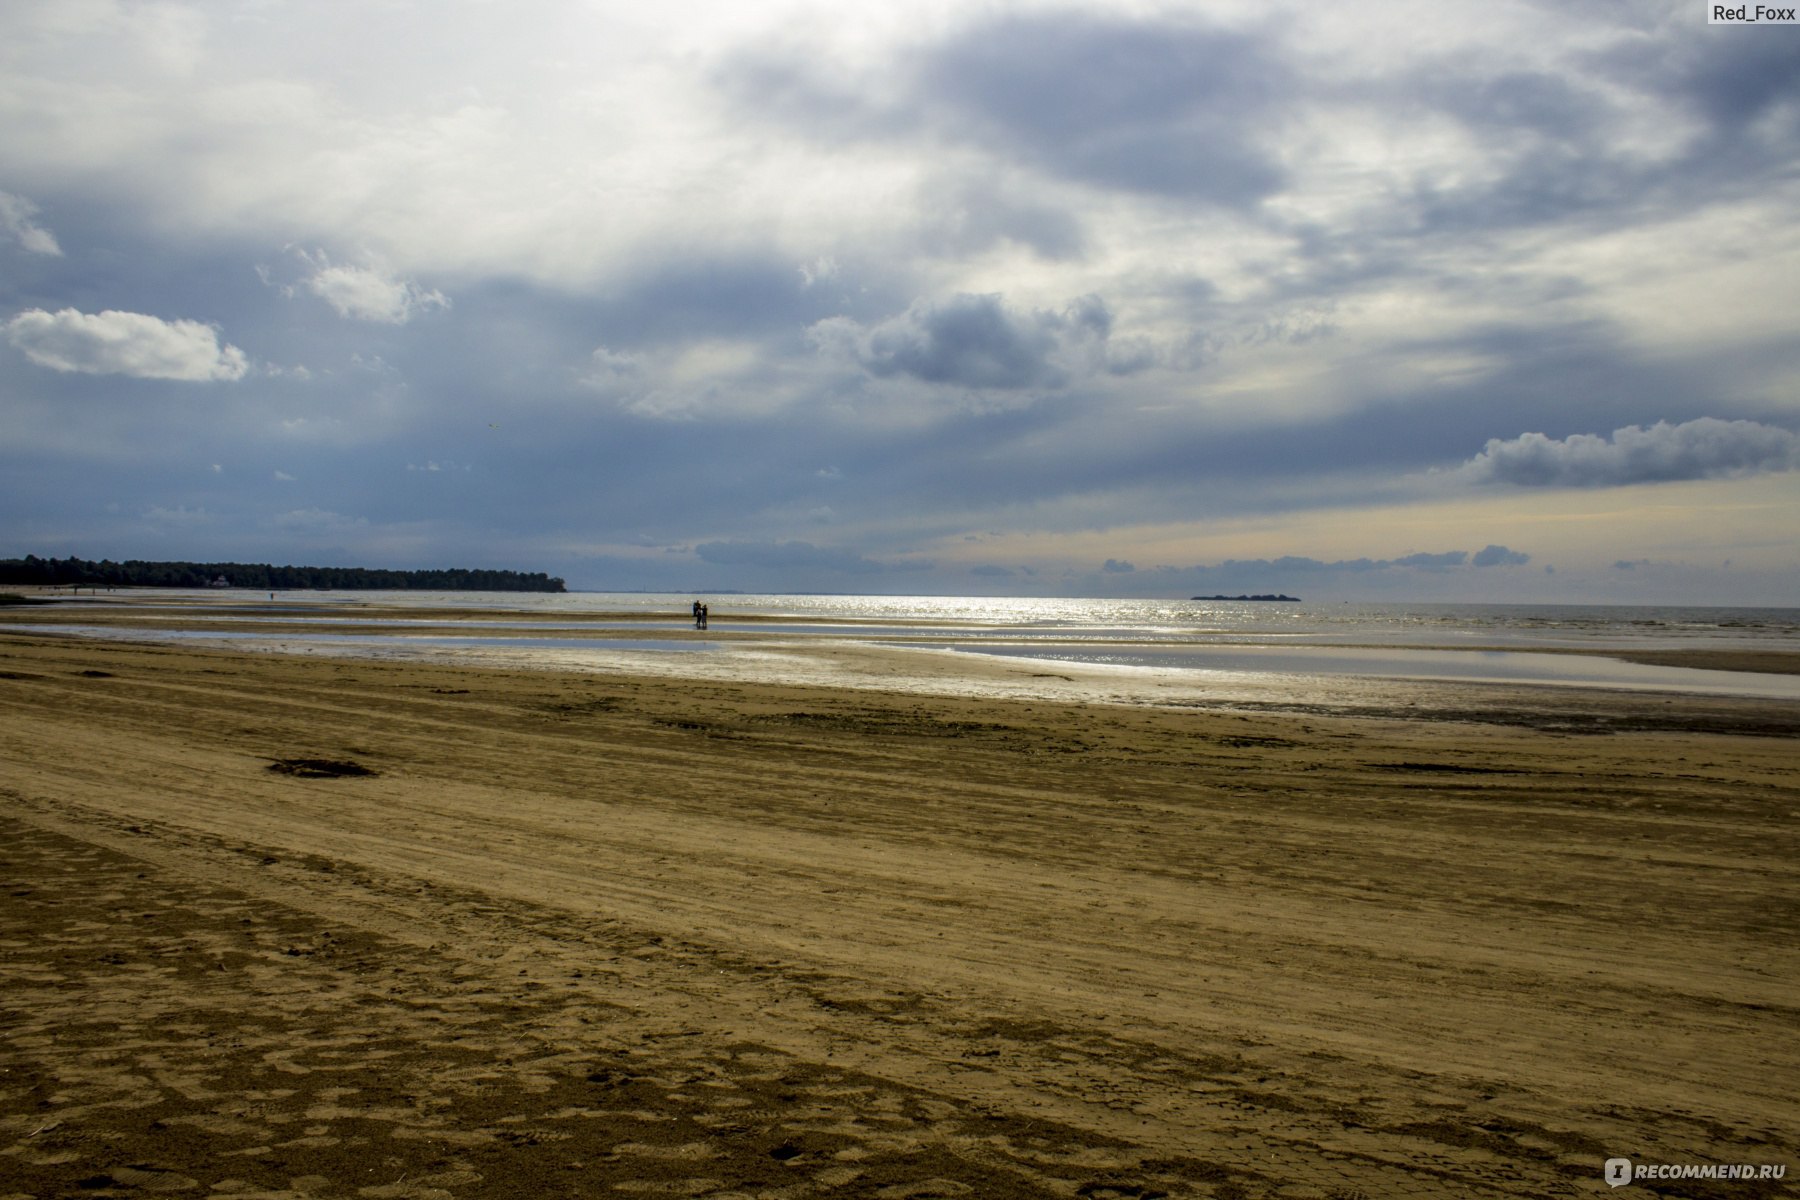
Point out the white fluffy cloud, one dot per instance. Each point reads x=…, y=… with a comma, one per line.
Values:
x=125, y=343
x=1706, y=448
x=16, y=222
x=366, y=294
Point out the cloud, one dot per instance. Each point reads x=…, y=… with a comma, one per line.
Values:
x=795, y=555
x=976, y=341
x=365, y=294
x=1160, y=108
x=961, y=217
x=180, y=514
x=613, y=373
x=1166, y=108
x=1705, y=448
x=1334, y=253
x=1733, y=84
x=125, y=343
x=1301, y=565
x=314, y=522
x=1113, y=566
x=1500, y=556
x=969, y=341
x=1292, y=565
x=1434, y=562
x=16, y=222
x=686, y=380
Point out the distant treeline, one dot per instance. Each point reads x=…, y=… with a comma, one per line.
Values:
x=51, y=572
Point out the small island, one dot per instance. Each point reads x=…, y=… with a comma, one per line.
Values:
x=1290, y=599
x=67, y=572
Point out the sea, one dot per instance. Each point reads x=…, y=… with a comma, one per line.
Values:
x=1106, y=648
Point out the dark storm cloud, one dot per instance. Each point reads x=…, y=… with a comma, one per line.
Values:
x=1706, y=448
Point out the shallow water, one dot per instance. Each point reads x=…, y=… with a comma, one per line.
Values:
x=1107, y=648
x=1474, y=666
x=1623, y=626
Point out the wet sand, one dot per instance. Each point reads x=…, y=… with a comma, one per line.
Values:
x=612, y=934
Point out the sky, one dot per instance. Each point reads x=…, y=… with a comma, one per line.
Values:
x=1449, y=301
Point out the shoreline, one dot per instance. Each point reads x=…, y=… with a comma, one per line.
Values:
x=720, y=937
x=350, y=615
x=928, y=666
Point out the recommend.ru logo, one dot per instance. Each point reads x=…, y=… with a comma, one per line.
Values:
x=1621, y=1171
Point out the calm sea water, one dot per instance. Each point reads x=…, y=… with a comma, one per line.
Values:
x=1522, y=625
x=1198, y=642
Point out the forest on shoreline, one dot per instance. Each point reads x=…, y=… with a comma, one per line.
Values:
x=77, y=572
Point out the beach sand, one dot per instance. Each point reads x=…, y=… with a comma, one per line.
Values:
x=604, y=934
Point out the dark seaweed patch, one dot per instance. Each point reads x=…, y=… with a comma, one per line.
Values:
x=318, y=768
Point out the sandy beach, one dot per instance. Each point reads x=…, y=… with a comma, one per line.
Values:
x=320, y=927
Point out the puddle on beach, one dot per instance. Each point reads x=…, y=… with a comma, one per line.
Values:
x=1470, y=666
